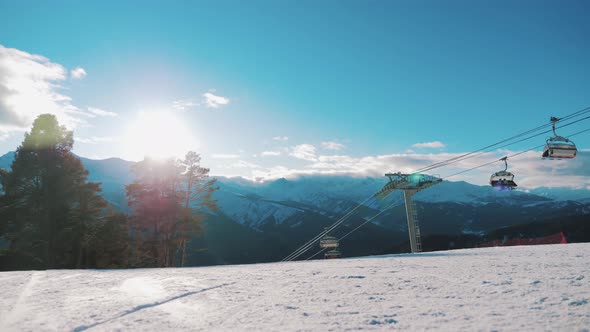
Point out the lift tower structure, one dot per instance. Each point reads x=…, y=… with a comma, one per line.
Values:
x=410, y=184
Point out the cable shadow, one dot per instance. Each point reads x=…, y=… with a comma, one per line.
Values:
x=146, y=306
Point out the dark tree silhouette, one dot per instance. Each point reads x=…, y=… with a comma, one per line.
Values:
x=50, y=212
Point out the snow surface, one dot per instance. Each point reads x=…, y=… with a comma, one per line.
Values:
x=530, y=288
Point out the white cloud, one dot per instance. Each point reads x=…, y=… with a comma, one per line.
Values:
x=214, y=101
x=78, y=73
x=530, y=170
x=29, y=87
x=304, y=151
x=275, y=172
x=209, y=100
x=225, y=156
x=429, y=145
x=333, y=146
x=245, y=164
x=93, y=111
x=183, y=104
x=281, y=138
x=271, y=153
x=94, y=139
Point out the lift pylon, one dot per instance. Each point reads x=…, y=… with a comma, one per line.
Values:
x=410, y=184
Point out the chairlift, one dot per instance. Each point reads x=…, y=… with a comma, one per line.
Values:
x=332, y=254
x=503, y=180
x=558, y=147
x=329, y=242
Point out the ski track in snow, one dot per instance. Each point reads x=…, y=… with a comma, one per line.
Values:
x=19, y=310
x=145, y=306
x=528, y=288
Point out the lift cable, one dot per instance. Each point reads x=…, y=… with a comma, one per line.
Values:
x=396, y=203
x=304, y=248
x=298, y=252
x=573, y=115
x=462, y=157
x=511, y=156
x=479, y=152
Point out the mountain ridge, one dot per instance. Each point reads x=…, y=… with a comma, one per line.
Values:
x=116, y=170
x=265, y=221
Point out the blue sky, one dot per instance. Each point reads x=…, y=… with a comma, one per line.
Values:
x=269, y=87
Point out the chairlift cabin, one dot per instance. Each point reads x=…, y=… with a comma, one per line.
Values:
x=329, y=242
x=503, y=180
x=558, y=147
x=335, y=253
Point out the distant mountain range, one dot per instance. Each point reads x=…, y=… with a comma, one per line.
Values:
x=265, y=221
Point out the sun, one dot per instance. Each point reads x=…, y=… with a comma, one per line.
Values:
x=158, y=135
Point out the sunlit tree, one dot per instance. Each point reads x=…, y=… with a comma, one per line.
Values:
x=198, y=198
x=168, y=200
x=156, y=211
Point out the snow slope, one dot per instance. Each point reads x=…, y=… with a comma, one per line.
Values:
x=512, y=288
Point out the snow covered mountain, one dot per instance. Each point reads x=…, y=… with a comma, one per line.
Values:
x=449, y=207
x=527, y=288
x=285, y=213
x=562, y=194
x=257, y=204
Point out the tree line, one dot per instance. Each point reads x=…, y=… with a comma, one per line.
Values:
x=52, y=217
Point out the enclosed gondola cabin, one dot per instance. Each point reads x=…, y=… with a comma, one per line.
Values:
x=558, y=147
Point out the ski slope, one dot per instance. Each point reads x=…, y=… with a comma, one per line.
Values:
x=529, y=288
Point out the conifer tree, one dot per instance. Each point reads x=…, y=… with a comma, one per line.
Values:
x=198, y=192
x=110, y=243
x=48, y=206
x=156, y=210
x=168, y=200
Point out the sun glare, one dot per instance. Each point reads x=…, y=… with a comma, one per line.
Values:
x=158, y=135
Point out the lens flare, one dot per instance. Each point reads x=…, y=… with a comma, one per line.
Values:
x=158, y=135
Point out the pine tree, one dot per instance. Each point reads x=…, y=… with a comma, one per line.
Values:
x=168, y=200
x=198, y=192
x=156, y=211
x=110, y=244
x=48, y=206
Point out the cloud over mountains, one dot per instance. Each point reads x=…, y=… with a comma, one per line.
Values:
x=30, y=85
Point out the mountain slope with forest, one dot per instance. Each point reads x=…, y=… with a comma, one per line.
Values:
x=258, y=222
